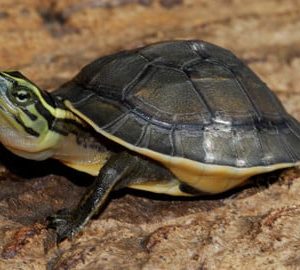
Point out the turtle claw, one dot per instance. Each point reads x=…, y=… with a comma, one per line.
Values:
x=63, y=222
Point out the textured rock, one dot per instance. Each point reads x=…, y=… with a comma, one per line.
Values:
x=255, y=227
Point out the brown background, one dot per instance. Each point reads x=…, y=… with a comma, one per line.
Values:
x=256, y=227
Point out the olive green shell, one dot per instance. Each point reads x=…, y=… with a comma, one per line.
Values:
x=187, y=99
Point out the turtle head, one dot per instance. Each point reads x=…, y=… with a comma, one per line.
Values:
x=26, y=116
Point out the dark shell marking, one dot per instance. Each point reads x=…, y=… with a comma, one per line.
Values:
x=188, y=99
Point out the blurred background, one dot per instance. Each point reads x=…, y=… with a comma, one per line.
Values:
x=259, y=227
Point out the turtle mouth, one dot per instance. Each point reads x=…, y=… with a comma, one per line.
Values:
x=7, y=119
x=7, y=111
x=5, y=105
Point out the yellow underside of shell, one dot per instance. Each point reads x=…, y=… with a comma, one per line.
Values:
x=203, y=177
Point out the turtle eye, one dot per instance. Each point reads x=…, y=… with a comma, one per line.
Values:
x=21, y=96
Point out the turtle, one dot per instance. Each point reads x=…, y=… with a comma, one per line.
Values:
x=182, y=118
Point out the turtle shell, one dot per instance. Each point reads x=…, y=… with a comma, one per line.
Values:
x=187, y=99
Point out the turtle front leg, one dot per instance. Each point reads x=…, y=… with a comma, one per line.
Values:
x=67, y=223
x=119, y=171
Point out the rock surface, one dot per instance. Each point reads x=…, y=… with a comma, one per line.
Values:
x=255, y=227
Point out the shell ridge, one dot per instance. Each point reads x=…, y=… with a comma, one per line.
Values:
x=292, y=129
x=191, y=63
x=287, y=148
x=234, y=142
x=178, y=144
x=77, y=103
x=115, y=121
x=275, y=100
x=240, y=162
x=172, y=141
x=106, y=94
x=297, y=135
x=260, y=146
x=144, y=130
x=150, y=119
x=239, y=82
x=134, y=81
x=145, y=139
x=199, y=48
x=143, y=56
x=201, y=97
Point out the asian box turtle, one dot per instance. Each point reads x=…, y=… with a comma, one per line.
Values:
x=178, y=117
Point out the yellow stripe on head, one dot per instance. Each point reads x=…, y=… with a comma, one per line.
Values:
x=26, y=117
